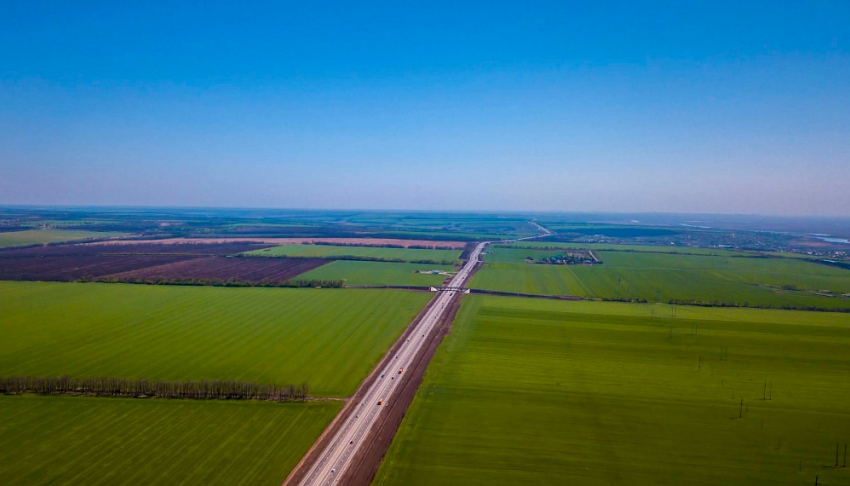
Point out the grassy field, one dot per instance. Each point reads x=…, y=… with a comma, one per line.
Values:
x=80, y=440
x=325, y=251
x=685, y=250
x=660, y=277
x=328, y=338
x=525, y=391
x=32, y=237
x=377, y=273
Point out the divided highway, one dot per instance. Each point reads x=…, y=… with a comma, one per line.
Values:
x=349, y=437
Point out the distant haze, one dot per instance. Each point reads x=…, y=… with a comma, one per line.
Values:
x=701, y=107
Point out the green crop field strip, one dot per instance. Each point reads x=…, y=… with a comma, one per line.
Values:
x=685, y=250
x=526, y=278
x=328, y=338
x=661, y=277
x=34, y=237
x=356, y=273
x=106, y=441
x=332, y=251
x=526, y=391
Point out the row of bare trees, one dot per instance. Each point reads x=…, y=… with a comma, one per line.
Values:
x=120, y=387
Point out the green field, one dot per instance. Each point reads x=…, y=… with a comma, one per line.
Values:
x=34, y=237
x=685, y=250
x=356, y=273
x=660, y=277
x=527, y=391
x=329, y=338
x=88, y=441
x=326, y=251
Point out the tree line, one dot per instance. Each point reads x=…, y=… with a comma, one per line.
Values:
x=120, y=387
x=716, y=303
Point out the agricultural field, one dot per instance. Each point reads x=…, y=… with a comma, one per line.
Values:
x=530, y=391
x=329, y=338
x=684, y=250
x=38, y=237
x=660, y=277
x=91, y=261
x=89, y=441
x=354, y=252
x=223, y=269
x=369, y=274
x=269, y=241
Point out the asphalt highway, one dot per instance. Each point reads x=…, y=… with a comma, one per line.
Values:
x=336, y=457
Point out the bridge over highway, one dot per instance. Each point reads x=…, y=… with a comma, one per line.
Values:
x=450, y=289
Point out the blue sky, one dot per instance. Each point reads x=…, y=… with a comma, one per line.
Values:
x=725, y=107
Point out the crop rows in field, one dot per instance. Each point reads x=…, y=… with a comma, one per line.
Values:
x=527, y=391
x=328, y=338
x=661, y=277
x=70, y=268
x=98, y=441
x=360, y=252
x=39, y=237
x=74, y=262
x=371, y=274
x=555, y=245
x=276, y=271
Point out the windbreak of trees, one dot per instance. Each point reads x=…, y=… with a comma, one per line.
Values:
x=120, y=387
x=717, y=303
x=220, y=282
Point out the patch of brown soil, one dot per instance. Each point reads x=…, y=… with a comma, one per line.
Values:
x=450, y=245
x=219, y=268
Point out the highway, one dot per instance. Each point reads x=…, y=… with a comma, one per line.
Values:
x=545, y=231
x=336, y=457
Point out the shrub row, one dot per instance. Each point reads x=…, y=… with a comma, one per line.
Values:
x=120, y=387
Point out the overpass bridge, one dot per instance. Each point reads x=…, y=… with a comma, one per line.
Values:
x=450, y=289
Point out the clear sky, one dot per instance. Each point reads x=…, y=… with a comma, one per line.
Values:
x=692, y=106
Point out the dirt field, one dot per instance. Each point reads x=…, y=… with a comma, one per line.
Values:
x=69, y=268
x=74, y=262
x=219, y=268
x=134, y=248
x=451, y=245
